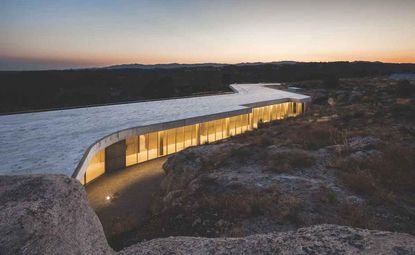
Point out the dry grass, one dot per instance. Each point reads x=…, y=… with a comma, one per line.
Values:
x=356, y=215
x=326, y=195
x=393, y=170
x=244, y=204
x=289, y=208
x=360, y=182
x=314, y=136
x=290, y=160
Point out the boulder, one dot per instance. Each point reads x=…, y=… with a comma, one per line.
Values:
x=319, y=239
x=48, y=214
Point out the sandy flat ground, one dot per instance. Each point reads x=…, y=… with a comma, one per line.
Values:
x=130, y=191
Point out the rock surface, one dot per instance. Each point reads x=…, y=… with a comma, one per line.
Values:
x=48, y=214
x=321, y=239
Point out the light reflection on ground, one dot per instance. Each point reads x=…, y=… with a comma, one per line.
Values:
x=121, y=199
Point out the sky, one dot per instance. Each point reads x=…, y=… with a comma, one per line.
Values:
x=57, y=34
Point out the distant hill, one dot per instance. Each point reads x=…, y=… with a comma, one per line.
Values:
x=38, y=90
x=177, y=65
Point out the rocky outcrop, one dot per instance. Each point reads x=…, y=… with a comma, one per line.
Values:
x=322, y=239
x=48, y=214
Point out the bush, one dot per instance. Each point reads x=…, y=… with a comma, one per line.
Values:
x=290, y=208
x=244, y=204
x=289, y=160
x=395, y=168
x=360, y=181
x=391, y=170
x=314, y=136
x=356, y=215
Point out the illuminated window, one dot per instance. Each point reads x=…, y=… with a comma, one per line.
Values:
x=179, y=139
x=219, y=129
x=171, y=141
x=162, y=143
x=273, y=112
x=188, y=130
x=142, y=148
x=131, y=151
x=232, y=122
x=238, y=124
x=152, y=145
x=256, y=117
x=244, y=122
x=266, y=114
x=203, y=132
x=96, y=166
x=211, y=131
x=226, y=128
x=195, y=135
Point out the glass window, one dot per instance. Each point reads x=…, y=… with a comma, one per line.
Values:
x=238, y=124
x=244, y=122
x=279, y=110
x=96, y=166
x=162, y=143
x=171, y=141
x=203, y=132
x=152, y=145
x=226, y=128
x=131, y=151
x=195, y=135
x=273, y=112
x=188, y=135
x=232, y=126
x=179, y=139
x=211, y=131
x=219, y=129
x=142, y=148
x=266, y=113
x=250, y=121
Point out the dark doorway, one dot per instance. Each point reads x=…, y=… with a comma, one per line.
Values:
x=115, y=157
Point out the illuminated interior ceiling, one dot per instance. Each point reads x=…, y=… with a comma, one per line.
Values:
x=57, y=141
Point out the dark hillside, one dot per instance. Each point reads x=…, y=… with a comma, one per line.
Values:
x=36, y=90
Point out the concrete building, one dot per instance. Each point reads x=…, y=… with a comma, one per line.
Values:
x=87, y=142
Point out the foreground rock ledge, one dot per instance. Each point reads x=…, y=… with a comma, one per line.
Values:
x=320, y=239
x=49, y=214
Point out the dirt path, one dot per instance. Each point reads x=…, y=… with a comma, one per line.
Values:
x=130, y=192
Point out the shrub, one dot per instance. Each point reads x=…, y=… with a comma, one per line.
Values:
x=242, y=154
x=360, y=181
x=356, y=215
x=391, y=170
x=395, y=168
x=290, y=208
x=289, y=160
x=231, y=205
x=326, y=195
x=315, y=136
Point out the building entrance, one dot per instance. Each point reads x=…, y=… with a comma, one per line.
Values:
x=115, y=157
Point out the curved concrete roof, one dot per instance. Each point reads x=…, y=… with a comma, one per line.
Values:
x=57, y=141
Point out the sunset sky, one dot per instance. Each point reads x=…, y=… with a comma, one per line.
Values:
x=67, y=34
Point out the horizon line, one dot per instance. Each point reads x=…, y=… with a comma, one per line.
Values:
x=109, y=66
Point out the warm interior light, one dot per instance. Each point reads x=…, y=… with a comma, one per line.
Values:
x=107, y=197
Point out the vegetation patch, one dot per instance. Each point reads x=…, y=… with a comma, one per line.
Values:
x=288, y=160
